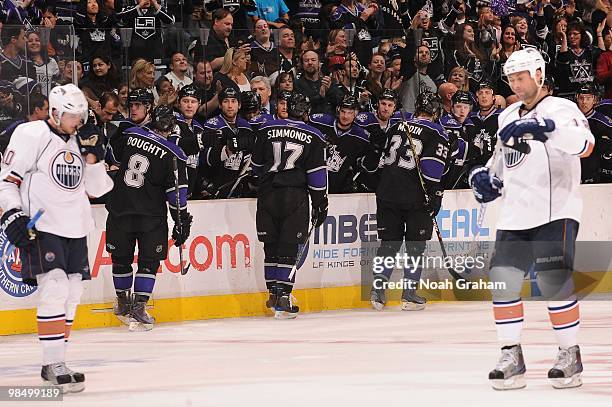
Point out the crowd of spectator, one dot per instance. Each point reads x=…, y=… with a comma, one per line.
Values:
x=324, y=49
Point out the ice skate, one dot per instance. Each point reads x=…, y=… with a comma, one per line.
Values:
x=411, y=301
x=509, y=373
x=272, y=299
x=284, y=308
x=140, y=320
x=57, y=375
x=566, y=372
x=77, y=384
x=123, y=307
x=378, y=299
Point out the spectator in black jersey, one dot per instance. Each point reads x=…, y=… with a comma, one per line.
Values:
x=353, y=15
x=264, y=55
x=13, y=64
x=286, y=50
x=575, y=61
x=102, y=77
x=93, y=26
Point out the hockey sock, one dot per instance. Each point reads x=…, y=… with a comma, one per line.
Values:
x=53, y=288
x=75, y=290
x=122, y=277
x=508, y=321
x=270, y=274
x=565, y=319
x=144, y=282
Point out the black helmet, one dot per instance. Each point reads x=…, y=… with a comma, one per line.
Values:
x=461, y=96
x=388, y=94
x=190, y=90
x=349, y=101
x=163, y=118
x=587, y=89
x=228, y=93
x=428, y=102
x=486, y=84
x=549, y=82
x=284, y=95
x=298, y=105
x=250, y=101
x=140, y=95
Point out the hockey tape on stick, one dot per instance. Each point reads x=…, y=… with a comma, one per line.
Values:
x=30, y=227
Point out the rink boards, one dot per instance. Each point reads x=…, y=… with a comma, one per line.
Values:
x=226, y=275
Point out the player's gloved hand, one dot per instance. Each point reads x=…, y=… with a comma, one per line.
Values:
x=319, y=211
x=15, y=225
x=240, y=142
x=434, y=204
x=211, y=138
x=180, y=235
x=486, y=187
x=91, y=142
x=516, y=132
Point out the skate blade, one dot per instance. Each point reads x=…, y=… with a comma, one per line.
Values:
x=412, y=306
x=378, y=306
x=513, y=383
x=135, y=326
x=64, y=388
x=285, y=315
x=125, y=319
x=566, y=382
x=76, y=387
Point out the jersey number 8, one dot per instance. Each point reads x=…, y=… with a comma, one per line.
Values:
x=137, y=167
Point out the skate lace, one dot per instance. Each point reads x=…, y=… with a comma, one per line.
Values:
x=60, y=369
x=508, y=358
x=563, y=359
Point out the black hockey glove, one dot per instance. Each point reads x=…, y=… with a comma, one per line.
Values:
x=319, y=211
x=180, y=234
x=211, y=138
x=91, y=141
x=15, y=225
x=434, y=204
x=240, y=142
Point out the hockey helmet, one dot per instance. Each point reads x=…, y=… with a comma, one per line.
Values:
x=163, y=118
x=528, y=59
x=140, y=95
x=486, y=84
x=285, y=95
x=587, y=89
x=229, y=93
x=68, y=99
x=349, y=102
x=250, y=102
x=298, y=105
x=388, y=94
x=429, y=103
x=462, y=96
x=190, y=91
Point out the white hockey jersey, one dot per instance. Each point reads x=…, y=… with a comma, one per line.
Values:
x=542, y=186
x=41, y=170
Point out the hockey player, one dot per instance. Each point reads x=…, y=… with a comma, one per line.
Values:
x=377, y=125
x=346, y=142
x=137, y=213
x=47, y=167
x=250, y=109
x=403, y=212
x=483, y=131
x=458, y=125
x=224, y=161
x=540, y=202
x=281, y=104
x=600, y=161
x=289, y=159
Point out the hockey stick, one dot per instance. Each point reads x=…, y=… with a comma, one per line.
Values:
x=428, y=201
x=184, y=270
x=303, y=248
x=30, y=227
x=241, y=175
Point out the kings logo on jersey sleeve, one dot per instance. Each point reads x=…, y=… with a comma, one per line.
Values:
x=10, y=271
x=67, y=170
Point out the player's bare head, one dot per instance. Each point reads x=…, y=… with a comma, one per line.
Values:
x=485, y=95
x=386, y=104
x=428, y=106
x=68, y=108
x=347, y=110
x=461, y=105
x=229, y=102
x=189, y=100
x=281, y=104
x=587, y=97
x=139, y=103
x=525, y=70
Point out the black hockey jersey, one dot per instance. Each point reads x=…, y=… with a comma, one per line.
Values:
x=344, y=148
x=399, y=180
x=146, y=179
x=600, y=160
x=483, y=134
x=461, y=149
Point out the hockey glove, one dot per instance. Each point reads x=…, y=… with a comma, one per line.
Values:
x=240, y=142
x=526, y=129
x=486, y=187
x=319, y=211
x=434, y=204
x=91, y=142
x=211, y=138
x=15, y=225
x=180, y=234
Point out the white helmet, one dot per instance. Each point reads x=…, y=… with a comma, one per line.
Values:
x=68, y=99
x=528, y=59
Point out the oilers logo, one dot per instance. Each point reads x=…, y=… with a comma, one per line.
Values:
x=513, y=158
x=67, y=170
x=10, y=271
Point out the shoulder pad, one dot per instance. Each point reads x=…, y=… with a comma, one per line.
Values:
x=365, y=118
x=241, y=122
x=322, y=118
x=360, y=132
x=605, y=120
x=215, y=123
